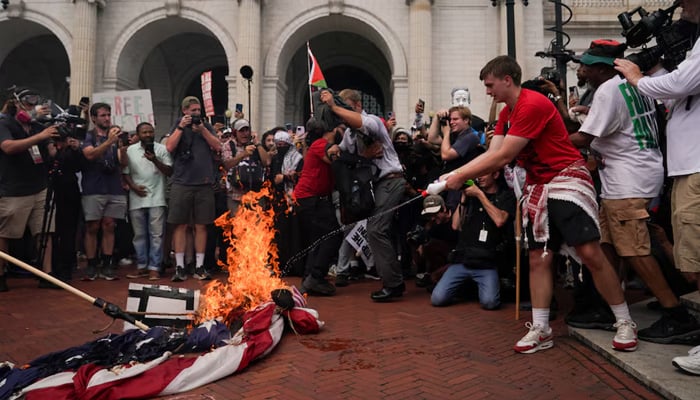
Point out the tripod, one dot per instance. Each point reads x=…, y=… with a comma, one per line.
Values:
x=49, y=210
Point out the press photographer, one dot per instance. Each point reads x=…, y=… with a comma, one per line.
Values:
x=24, y=153
x=679, y=89
x=104, y=197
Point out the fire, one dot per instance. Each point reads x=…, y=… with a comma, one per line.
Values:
x=252, y=259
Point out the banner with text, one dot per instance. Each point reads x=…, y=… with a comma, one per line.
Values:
x=129, y=107
x=357, y=237
x=206, y=94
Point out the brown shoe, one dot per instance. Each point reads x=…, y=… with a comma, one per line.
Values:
x=153, y=275
x=140, y=273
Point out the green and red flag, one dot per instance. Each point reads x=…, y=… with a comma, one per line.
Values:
x=315, y=75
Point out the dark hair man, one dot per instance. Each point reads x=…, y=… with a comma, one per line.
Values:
x=24, y=152
x=148, y=164
x=559, y=198
x=192, y=144
x=104, y=198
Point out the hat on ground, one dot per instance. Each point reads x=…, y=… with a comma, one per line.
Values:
x=240, y=124
x=189, y=100
x=603, y=51
x=433, y=204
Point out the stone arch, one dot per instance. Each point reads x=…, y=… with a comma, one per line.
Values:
x=20, y=31
x=315, y=21
x=118, y=74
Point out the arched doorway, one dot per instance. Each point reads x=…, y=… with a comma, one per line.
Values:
x=33, y=56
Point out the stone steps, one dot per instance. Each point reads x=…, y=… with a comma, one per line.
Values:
x=651, y=363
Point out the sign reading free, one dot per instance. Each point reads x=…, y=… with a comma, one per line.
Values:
x=129, y=107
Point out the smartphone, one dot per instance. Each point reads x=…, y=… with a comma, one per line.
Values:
x=422, y=103
x=573, y=92
x=390, y=115
x=149, y=148
x=84, y=100
x=124, y=137
x=288, y=125
x=239, y=107
x=300, y=130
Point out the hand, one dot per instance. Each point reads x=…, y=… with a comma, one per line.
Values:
x=442, y=114
x=333, y=152
x=375, y=150
x=185, y=121
x=238, y=115
x=327, y=97
x=42, y=110
x=454, y=182
x=472, y=191
x=49, y=133
x=580, y=109
x=113, y=134
x=419, y=108
x=199, y=128
x=272, y=151
x=629, y=69
x=73, y=143
x=550, y=87
x=140, y=190
x=390, y=123
x=150, y=156
x=279, y=178
x=249, y=149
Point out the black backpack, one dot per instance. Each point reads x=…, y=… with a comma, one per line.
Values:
x=354, y=180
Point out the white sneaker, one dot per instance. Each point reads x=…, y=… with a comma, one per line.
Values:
x=125, y=261
x=689, y=363
x=535, y=340
x=626, y=336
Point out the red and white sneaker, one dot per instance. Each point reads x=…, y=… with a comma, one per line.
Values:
x=626, y=336
x=535, y=340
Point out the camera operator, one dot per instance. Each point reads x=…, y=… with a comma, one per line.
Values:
x=193, y=145
x=24, y=152
x=680, y=90
x=104, y=197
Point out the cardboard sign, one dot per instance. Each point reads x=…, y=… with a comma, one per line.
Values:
x=357, y=237
x=161, y=298
x=206, y=94
x=129, y=108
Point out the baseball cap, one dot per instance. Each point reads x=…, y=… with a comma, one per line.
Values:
x=240, y=124
x=189, y=100
x=603, y=51
x=433, y=204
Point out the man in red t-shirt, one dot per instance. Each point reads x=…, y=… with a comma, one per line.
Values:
x=559, y=200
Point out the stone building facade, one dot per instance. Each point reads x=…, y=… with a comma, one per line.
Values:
x=395, y=51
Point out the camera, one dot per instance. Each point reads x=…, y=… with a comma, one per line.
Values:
x=417, y=236
x=69, y=123
x=196, y=120
x=552, y=75
x=673, y=39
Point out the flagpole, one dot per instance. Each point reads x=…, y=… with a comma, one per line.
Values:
x=108, y=308
x=308, y=74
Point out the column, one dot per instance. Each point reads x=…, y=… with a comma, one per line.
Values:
x=82, y=66
x=249, y=37
x=420, y=65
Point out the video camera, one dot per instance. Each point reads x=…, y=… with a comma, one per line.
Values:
x=673, y=39
x=69, y=123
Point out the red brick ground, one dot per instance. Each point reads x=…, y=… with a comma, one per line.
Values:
x=401, y=350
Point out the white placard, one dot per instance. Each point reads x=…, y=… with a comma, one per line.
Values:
x=129, y=107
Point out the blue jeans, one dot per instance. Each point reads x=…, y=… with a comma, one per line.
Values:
x=487, y=281
x=149, y=227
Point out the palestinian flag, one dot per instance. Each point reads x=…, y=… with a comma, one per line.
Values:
x=315, y=75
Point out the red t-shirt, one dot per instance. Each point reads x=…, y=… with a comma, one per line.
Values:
x=550, y=150
x=316, y=176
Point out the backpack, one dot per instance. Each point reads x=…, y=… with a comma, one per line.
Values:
x=249, y=174
x=354, y=181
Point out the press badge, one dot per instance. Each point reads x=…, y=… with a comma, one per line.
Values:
x=36, y=154
x=483, y=234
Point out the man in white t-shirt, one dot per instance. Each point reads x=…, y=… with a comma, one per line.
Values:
x=621, y=129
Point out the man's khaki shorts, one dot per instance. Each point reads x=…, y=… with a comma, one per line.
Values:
x=18, y=213
x=685, y=208
x=623, y=223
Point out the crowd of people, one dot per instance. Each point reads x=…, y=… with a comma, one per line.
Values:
x=588, y=179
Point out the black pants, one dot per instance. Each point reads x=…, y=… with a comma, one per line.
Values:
x=317, y=215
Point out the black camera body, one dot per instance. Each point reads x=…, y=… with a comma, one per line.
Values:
x=196, y=120
x=673, y=39
x=69, y=124
x=149, y=147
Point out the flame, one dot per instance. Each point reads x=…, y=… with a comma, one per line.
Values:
x=252, y=258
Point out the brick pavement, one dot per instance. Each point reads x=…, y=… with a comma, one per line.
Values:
x=401, y=350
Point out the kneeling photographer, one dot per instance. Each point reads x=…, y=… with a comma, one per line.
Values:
x=680, y=89
x=25, y=150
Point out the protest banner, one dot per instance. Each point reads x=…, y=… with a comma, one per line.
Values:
x=129, y=107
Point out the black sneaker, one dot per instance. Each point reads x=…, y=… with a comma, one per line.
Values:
x=318, y=287
x=341, y=280
x=180, y=275
x=593, y=318
x=202, y=274
x=423, y=280
x=3, y=284
x=108, y=274
x=669, y=330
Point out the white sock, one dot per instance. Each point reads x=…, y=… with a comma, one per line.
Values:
x=179, y=259
x=621, y=311
x=540, y=316
x=200, y=260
